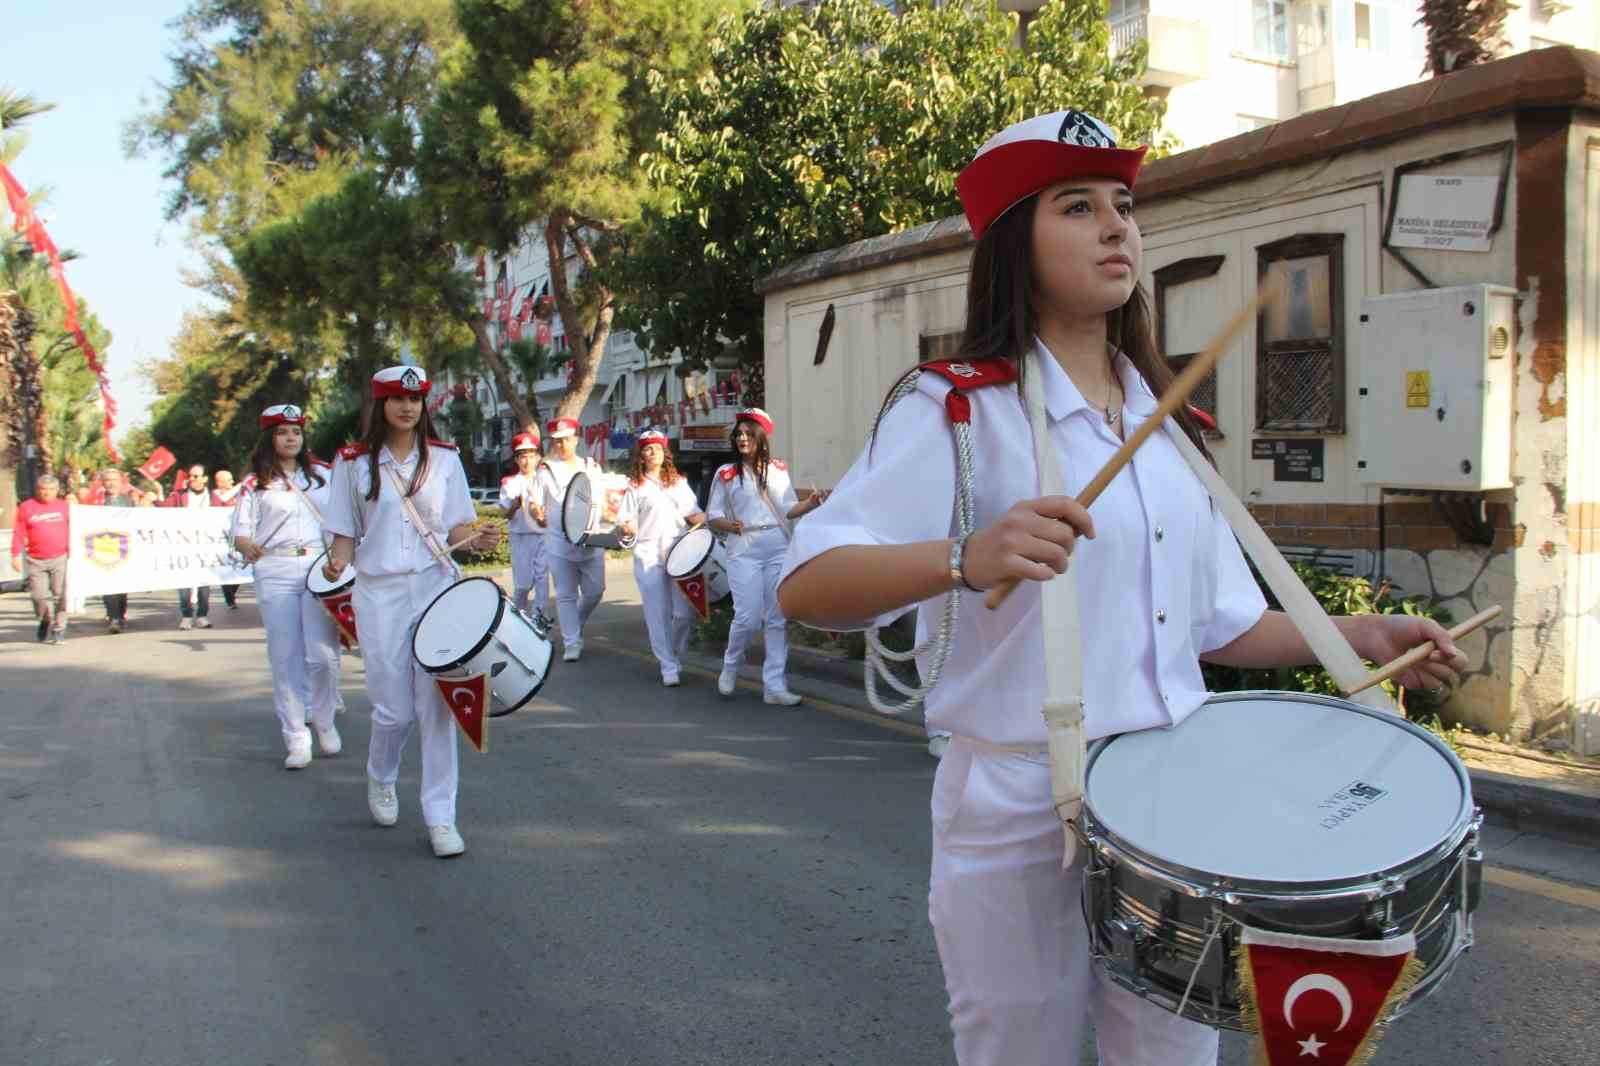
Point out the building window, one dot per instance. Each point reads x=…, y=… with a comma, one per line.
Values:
x=936, y=346
x=1364, y=26
x=1269, y=27
x=1313, y=26
x=1187, y=301
x=1300, y=339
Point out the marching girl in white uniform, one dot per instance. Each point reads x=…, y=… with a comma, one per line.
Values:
x=526, y=520
x=1052, y=298
x=277, y=527
x=580, y=573
x=660, y=505
x=754, y=501
x=381, y=487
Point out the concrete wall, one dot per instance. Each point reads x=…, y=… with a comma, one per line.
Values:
x=1583, y=440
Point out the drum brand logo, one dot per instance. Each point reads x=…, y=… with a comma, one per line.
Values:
x=1348, y=802
x=106, y=549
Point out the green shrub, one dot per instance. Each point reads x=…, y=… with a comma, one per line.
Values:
x=489, y=517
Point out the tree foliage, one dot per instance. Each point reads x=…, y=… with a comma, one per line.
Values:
x=823, y=124
x=1463, y=33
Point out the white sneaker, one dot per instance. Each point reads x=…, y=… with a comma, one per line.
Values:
x=727, y=681
x=670, y=680
x=781, y=698
x=572, y=652
x=185, y=623
x=328, y=740
x=382, y=802
x=202, y=623
x=446, y=841
x=299, y=756
x=937, y=743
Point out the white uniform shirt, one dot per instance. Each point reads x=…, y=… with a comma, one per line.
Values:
x=659, y=512
x=1162, y=581
x=554, y=477
x=512, y=490
x=281, y=515
x=740, y=499
x=388, y=541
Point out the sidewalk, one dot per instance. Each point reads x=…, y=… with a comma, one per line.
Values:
x=1521, y=794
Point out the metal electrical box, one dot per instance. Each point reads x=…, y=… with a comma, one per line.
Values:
x=1435, y=388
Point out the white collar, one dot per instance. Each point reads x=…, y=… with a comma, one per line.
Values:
x=1062, y=398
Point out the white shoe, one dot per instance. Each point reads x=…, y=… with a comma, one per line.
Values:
x=328, y=740
x=572, y=652
x=727, y=681
x=670, y=680
x=299, y=756
x=781, y=698
x=382, y=802
x=936, y=745
x=446, y=841
x=202, y=623
x=184, y=623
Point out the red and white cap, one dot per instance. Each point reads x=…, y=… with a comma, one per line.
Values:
x=525, y=442
x=1028, y=156
x=282, y=414
x=756, y=415
x=651, y=436
x=557, y=428
x=400, y=381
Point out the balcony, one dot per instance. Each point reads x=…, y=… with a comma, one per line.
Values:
x=1180, y=50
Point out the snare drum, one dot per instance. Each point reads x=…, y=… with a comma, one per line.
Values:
x=471, y=628
x=590, y=509
x=698, y=553
x=1281, y=811
x=337, y=596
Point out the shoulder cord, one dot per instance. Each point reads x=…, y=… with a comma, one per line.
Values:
x=880, y=659
x=424, y=530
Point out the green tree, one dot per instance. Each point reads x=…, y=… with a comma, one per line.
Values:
x=820, y=125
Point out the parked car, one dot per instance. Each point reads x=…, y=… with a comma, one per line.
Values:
x=481, y=494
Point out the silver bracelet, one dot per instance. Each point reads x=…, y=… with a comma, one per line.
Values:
x=958, y=550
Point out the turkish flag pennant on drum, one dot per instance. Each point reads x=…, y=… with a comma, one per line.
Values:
x=468, y=700
x=1321, y=999
x=694, y=589
x=343, y=609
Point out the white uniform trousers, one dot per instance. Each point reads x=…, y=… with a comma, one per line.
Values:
x=530, y=572
x=1011, y=934
x=668, y=615
x=753, y=579
x=402, y=693
x=302, y=647
x=579, y=585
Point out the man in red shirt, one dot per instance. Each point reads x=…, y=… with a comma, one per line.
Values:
x=42, y=530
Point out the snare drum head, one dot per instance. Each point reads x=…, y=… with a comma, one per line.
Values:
x=1280, y=787
x=318, y=584
x=690, y=551
x=576, y=507
x=457, y=623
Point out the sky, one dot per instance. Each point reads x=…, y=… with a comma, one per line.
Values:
x=101, y=62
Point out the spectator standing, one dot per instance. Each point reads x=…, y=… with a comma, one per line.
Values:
x=192, y=491
x=41, y=530
x=116, y=492
x=226, y=494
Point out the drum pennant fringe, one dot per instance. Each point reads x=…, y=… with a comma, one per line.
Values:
x=1250, y=990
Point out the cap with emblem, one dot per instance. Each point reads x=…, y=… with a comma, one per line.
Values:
x=282, y=414
x=400, y=381
x=525, y=442
x=652, y=436
x=756, y=415
x=557, y=428
x=1028, y=156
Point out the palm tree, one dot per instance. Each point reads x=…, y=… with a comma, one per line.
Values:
x=17, y=108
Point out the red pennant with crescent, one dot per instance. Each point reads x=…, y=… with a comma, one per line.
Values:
x=468, y=700
x=1320, y=999
x=694, y=588
x=343, y=609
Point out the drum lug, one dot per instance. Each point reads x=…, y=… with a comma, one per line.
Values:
x=1471, y=881
x=1127, y=937
x=1380, y=914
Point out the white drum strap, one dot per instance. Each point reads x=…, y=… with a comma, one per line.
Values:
x=1063, y=643
x=424, y=530
x=1326, y=642
x=306, y=499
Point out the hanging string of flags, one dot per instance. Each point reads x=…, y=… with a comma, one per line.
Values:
x=29, y=224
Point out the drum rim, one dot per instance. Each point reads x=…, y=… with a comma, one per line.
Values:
x=316, y=567
x=710, y=548
x=549, y=669
x=499, y=613
x=1195, y=881
x=566, y=498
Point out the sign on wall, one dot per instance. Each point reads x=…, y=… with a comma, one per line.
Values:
x=1452, y=213
x=1292, y=459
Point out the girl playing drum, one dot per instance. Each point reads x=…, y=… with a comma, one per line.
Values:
x=580, y=572
x=1054, y=305
x=754, y=501
x=526, y=520
x=398, y=498
x=277, y=526
x=660, y=505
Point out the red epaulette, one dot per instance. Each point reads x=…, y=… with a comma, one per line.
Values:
x=318, y=462
x=507, y=478
x=638, y=484
x=249, y=482
x=352, y=451
x=441, y=444
x=781, y=465
x=1206, y=421
x=728, y=472
x=967, y=376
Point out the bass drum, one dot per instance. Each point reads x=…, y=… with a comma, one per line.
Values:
x=697, y=553
x=590, y=511
x=471, y=628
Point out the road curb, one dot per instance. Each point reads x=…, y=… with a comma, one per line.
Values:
x=1548, y=809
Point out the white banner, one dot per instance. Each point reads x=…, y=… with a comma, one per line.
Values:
x=146, y=549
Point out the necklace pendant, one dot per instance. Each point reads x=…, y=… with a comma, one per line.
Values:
x=1113, y=417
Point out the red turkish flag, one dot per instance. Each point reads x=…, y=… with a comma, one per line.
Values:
x=1321, y=999
x=159, y=463
x=694, y=589
x=468, y=700
x=343, y=609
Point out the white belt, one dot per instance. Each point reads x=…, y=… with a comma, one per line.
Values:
x=294, y=552
x=1039, y=748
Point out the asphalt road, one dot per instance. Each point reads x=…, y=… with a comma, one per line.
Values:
x=652, y=876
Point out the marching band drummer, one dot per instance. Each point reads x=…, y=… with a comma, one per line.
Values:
x=580, y=573
x=658, y=506
x=754, y=502
x=398, y=499
x=277, y=527
x=526, y=520
x=1052, y=298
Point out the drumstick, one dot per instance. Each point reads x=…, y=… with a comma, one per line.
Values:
x=1423, y=650
x=1176, y=394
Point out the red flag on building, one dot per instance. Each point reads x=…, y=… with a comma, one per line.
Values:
x=468, y=700
x=159, y=463
x=541, y=333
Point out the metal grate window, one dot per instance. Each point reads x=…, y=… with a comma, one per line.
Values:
x=1300, y=346
x=1169, y=297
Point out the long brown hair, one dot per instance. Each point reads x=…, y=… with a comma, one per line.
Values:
x=377, y=436
x=1002, y=322
x=763, y=449
x=669, y=471
x=264, y=461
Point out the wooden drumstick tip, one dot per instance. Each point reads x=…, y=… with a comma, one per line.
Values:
x=1402, y=663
